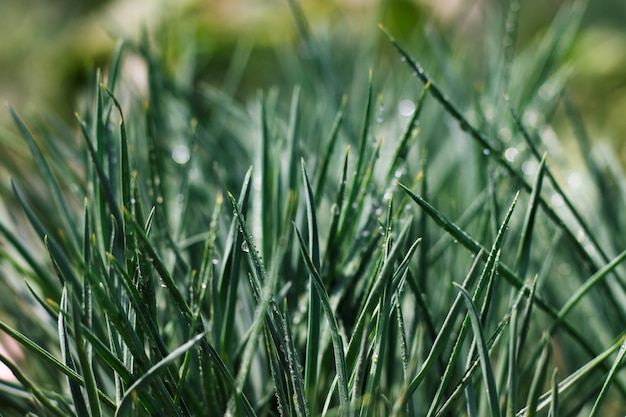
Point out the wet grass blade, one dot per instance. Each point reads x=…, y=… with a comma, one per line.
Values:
x=483, y=352
x=338, y=350
x=148, y=377
x=314, y=310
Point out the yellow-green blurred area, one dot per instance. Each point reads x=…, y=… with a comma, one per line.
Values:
x=49, y=49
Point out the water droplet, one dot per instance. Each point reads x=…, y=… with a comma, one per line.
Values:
x=529, y=167
x=379, y=119
x=486, y=151
x=399, y=172
x=215, y=261
x=557, y=200
x=510, y=154
x=403, y=58
x=181, y=154
x=574, y=180
x=406, y=108
x=244, y=246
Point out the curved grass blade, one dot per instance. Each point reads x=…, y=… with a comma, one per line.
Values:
x=314, y=319
x=483, y=352
x=154, y=372
x=338, y=350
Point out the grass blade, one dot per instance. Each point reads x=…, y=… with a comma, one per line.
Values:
x=609, y=378
x=338, y=350
x=483, y=353
x=148, y=377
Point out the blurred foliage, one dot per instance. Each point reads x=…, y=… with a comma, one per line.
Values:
x=50, y=49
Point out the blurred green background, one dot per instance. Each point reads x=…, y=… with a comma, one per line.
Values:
x=50, y=49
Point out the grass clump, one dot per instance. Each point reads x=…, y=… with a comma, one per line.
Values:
x=441, y=271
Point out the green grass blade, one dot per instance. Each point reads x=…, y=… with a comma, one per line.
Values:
x=538, y=379
x=63, y=264
x=609, y=378
x=314, y=310
x=462, y=237
x=32, y=388
x=280, y=389
x=590, y=283
x=148, y=378
x=483, y=353
x=330, y=147
x=576, y=377
x=523, y=253
x=229, y=283
x=513, y=375
x=338, y=350
x=40, y=160
x=77, y=396
x=554, y=403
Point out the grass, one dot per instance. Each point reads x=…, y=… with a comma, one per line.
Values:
x=302, y=252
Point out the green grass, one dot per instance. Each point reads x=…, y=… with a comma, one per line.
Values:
x=309, y=251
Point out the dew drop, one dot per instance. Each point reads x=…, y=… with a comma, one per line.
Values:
x=510, y=154
x=486, y=151
x=403, y=58
x=406, y=108
x=399, y=172
x=181, y=154
x=244, y=246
